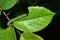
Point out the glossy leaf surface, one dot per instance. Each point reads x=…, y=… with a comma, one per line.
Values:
x=37, y=19
x=7, y=34
x=30, y=36
x=7, y=4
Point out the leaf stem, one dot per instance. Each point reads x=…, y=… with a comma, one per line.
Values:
x=6, y=15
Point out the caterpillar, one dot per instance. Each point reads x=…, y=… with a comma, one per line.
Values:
x=16, y=18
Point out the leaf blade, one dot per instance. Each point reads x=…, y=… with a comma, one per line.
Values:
x=37, y=19
x=6, y=4
x=8, y=34
x=30, y=36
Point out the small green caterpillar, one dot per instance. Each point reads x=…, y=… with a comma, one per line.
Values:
x=16, y=18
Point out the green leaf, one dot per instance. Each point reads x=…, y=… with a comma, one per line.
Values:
x=37, y=19
x=30, y=36
x=8, y=34
x=7, y=4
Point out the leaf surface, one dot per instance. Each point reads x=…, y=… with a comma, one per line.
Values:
x=8, y=34
x=7, y=4
x=37, y=19
x=30, y=36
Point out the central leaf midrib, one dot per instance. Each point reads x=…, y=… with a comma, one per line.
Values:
x=36, y=17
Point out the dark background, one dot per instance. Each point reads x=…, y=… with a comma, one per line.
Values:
x=51, y=32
